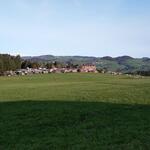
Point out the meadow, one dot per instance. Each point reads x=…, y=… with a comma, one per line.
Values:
x=74, y=111
x=76, y=87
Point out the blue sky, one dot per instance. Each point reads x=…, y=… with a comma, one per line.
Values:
x=75, y=27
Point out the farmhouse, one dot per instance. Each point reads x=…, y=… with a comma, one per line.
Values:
x=88, y=68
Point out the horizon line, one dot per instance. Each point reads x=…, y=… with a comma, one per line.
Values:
x=38, y=55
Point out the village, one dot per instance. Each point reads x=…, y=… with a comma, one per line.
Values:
x=85, y=68
x=43, y=70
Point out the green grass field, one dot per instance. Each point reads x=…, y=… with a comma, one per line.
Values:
x=74, y=111
x=76, y=87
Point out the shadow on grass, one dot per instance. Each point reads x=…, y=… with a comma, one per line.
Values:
x=74, y=125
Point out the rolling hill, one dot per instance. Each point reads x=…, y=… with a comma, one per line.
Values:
x=121, y=64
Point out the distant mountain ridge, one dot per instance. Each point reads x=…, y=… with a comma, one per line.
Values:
x=121, y=63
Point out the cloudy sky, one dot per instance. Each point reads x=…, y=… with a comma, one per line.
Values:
x=75, y=27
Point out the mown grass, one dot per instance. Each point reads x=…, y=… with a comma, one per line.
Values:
x=76, y=87
x=74, y=126
x=74, y=111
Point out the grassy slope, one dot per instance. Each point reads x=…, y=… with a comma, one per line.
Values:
x=76, y=87
x=74, y=125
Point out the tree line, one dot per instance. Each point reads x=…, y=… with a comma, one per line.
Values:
x=12, y=63
x=8, y=62
x=35, y=64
